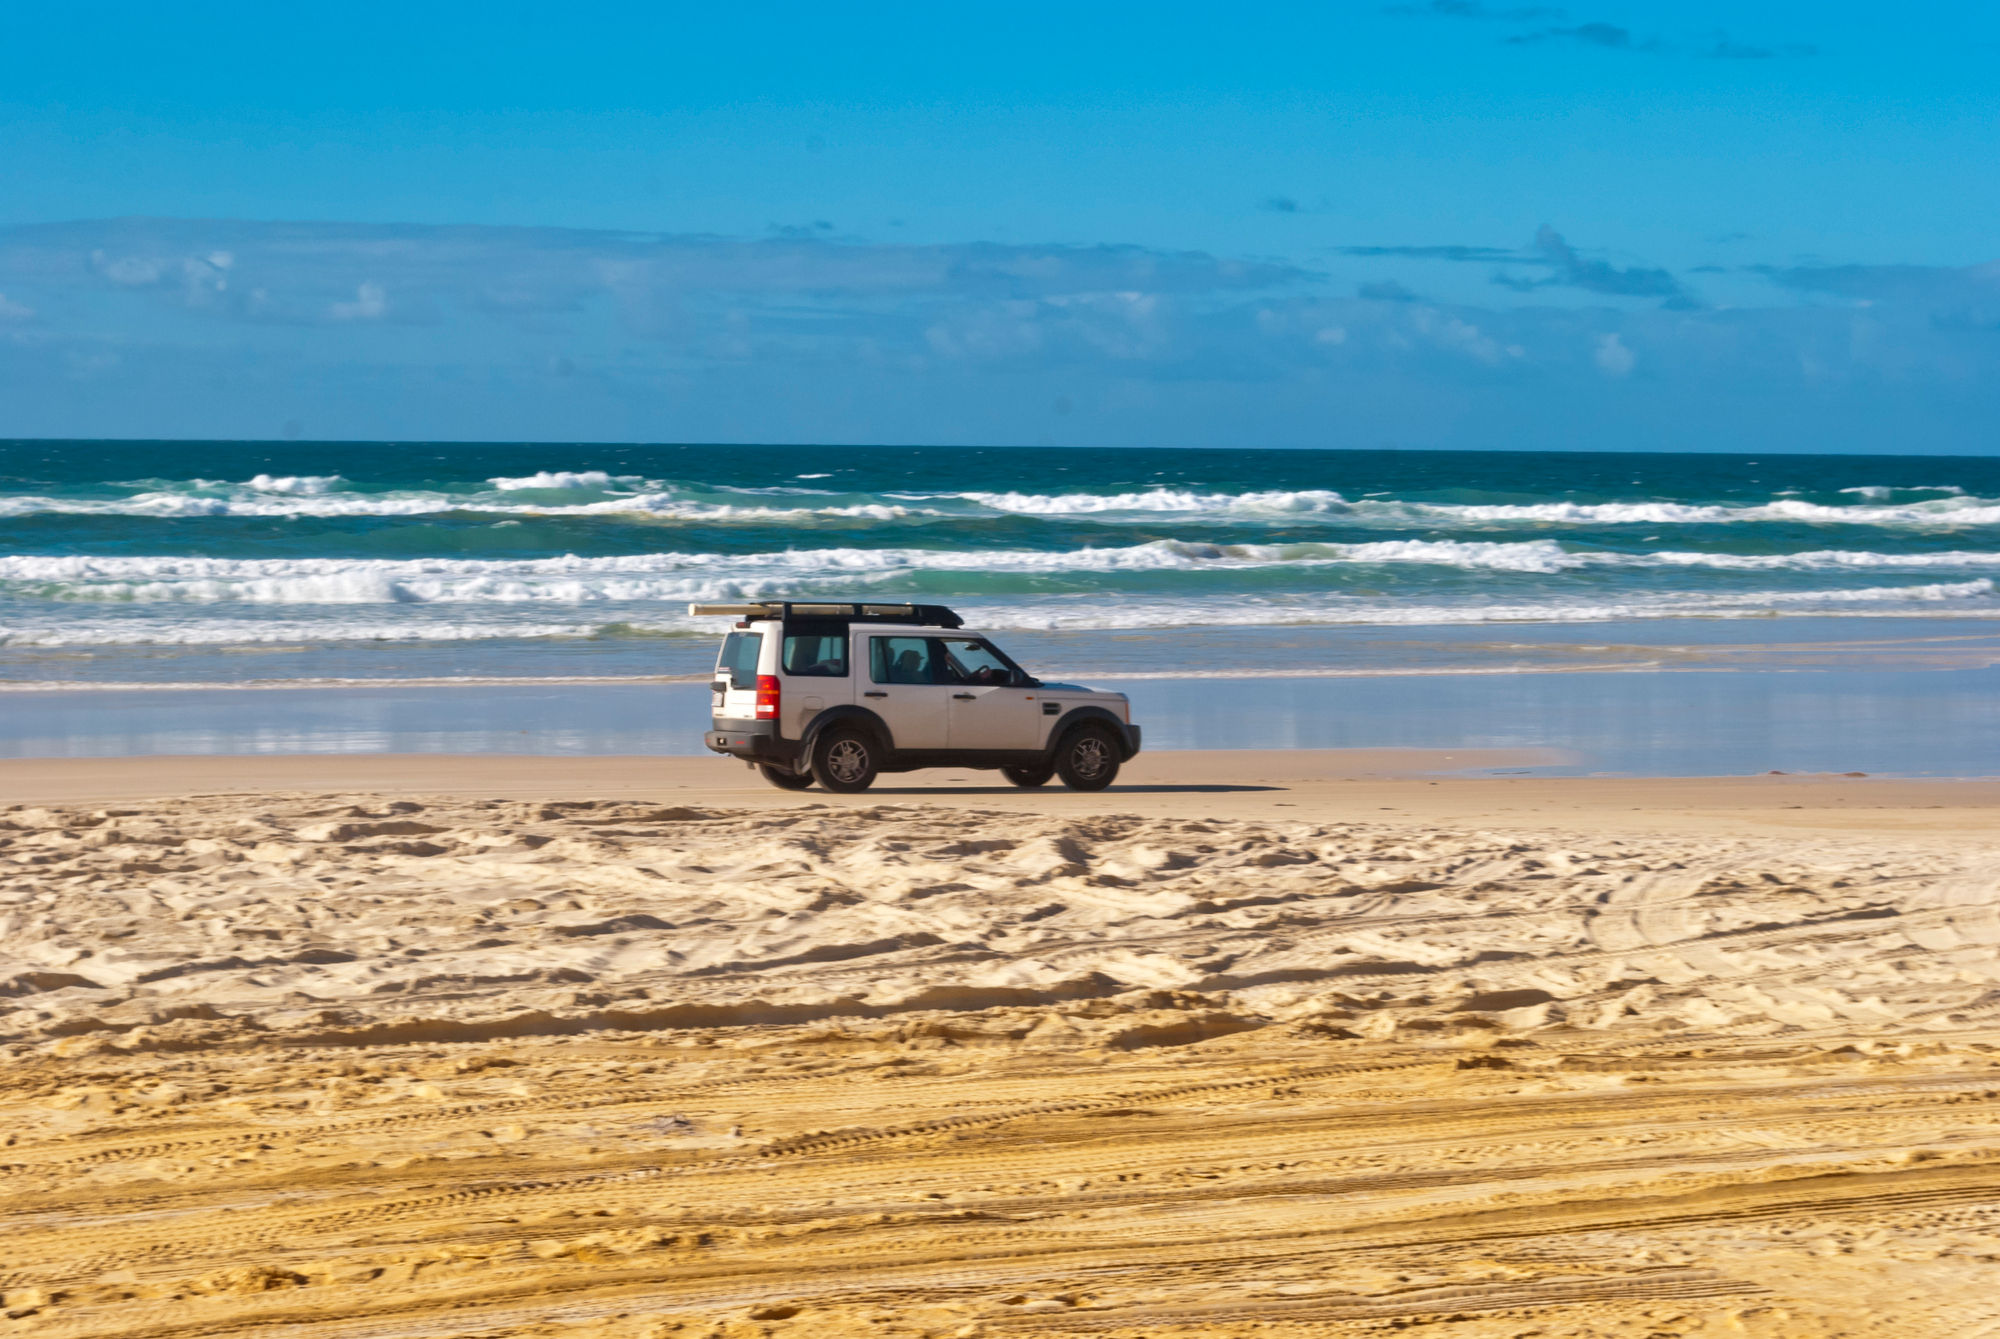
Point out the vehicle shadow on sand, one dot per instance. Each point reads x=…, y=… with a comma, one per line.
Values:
x=1064, y=790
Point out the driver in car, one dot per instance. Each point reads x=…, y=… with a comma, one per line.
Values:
x=985, y=675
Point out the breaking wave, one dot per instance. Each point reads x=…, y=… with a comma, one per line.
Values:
x=630, y=495
x=347, y=544
x=669, y=577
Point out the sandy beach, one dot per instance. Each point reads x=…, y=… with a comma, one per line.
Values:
x=1303, y=1043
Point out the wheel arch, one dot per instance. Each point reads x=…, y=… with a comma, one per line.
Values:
x=1086, y=715
x=846, y=714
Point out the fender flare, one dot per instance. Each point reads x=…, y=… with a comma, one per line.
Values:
x=846, y=713
x=1076, y=716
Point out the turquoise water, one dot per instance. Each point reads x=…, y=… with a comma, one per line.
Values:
x=1883, y=722
x=216, y=562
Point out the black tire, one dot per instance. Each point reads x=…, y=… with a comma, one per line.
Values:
x=784, y=778
x=845, y=761
x=1087, y=758
x=1028, y=777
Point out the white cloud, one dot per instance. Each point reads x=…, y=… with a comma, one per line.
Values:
x=370, y=301
x=127, y=271
x=1613, y=358
x=13, y=311
x=1452, y=332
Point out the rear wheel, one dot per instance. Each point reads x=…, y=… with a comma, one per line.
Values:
x=1028, y=777
x=784, y=778
x=845, y=761
x=1087, y=759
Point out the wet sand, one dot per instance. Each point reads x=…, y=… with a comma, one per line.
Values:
x=1285, y=1044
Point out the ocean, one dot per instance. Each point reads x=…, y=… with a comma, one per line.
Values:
x=177, y=566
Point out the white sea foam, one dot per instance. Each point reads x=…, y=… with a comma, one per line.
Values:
x=670, y=577
x=237, y=632
x=307, y=495
x=560, y=481
x=1878, y=492
x=1156, y=500
x=250, y=502
x=1974, y=598
x=296, y=485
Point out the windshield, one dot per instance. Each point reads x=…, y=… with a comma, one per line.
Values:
x=977, y=662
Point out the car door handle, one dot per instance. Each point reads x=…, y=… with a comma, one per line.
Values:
x=964, y=697
x=872, y=693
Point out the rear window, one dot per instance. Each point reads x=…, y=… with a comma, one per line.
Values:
x=821, y=655
x=739, y=657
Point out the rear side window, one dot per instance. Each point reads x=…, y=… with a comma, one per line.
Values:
x=739, y=657
x=820, y=655
x=902, y=660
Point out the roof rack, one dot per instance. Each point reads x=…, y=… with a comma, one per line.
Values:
x=839, y=611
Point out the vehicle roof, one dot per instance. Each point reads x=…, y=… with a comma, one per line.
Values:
x=927, y=629
x=834, y=611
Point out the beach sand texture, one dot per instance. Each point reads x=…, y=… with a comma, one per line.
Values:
x=373, y=1064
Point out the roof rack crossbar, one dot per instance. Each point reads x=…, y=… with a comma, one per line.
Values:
x=840, y=611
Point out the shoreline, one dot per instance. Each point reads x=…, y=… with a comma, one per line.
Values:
x=629, y=680
x=1893, y=721
x=1457, y=787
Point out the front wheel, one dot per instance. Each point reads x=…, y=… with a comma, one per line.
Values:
x=784, y=778
x=1028, y=777
x=845, y=761
x=1087, y=759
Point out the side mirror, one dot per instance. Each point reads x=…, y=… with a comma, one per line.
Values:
x=719, y=686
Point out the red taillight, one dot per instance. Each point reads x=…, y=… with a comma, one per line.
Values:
x=767, y=697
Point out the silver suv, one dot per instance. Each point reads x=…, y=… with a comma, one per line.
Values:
x=839, y=693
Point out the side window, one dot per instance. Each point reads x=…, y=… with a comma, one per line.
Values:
x=739, y=657
x=975, y=662
x=901, y=660
x=815, y=655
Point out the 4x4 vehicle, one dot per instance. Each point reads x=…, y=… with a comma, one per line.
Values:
x=840, y=692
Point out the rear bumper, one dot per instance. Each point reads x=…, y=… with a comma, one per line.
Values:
x=757, y=741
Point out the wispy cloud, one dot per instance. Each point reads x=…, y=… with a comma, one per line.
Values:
x=1595, y=33
x=1598, y=276
x=370, y=302
x=129, y=327
x=1964, y=298
x=1563, y=266
x=1472, y=9
x=1447, y=252
x=1608, y=35
x=1718, y=46
x=1385, y=290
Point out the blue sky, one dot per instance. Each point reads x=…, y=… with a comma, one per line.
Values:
x=1433, y=223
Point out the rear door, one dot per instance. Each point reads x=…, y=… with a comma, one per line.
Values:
x=989, y=710
x=906, y=687
x=736, y=670
x=814, y=664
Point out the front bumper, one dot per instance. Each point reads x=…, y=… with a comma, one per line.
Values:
x=1132, y=741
